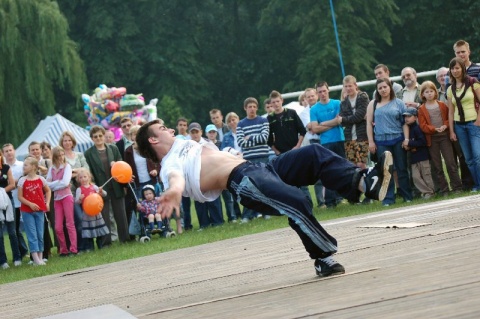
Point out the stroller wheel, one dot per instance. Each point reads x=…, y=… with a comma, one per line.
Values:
x=171, y=234
x=145, y=239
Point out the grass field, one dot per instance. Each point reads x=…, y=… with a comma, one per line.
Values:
x=118, y=252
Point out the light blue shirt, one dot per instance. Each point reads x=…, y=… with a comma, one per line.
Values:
x=326, y=112
x=389, y=120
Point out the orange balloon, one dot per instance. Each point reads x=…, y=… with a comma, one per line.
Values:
x=93, y=204
x=122, y=172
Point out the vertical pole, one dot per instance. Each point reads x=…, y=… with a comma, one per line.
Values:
x=336, y=37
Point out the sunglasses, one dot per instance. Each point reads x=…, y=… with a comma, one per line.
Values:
x=97, y=136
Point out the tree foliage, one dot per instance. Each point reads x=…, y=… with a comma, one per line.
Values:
x=37, y=58
x=198, y=55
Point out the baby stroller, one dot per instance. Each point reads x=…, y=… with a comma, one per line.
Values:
x=146, y=233
x=139, y=224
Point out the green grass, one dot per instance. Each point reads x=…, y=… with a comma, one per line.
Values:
x=118, y=252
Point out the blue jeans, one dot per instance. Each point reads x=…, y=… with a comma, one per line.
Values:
x=247, y=212
x=34, y=226
x=187, y=216
x=22, y=245
x=400, y=163
x=228, y=200
x=12, y=234
x=468, y=136
x=331, y=196
x=209, y=213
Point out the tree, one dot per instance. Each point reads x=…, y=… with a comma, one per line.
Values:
x=428, y=29
x=37, y=58
x=361, y=30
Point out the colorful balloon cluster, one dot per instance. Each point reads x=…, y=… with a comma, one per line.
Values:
x=107, y=106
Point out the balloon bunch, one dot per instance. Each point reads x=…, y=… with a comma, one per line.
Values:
x=107, y=106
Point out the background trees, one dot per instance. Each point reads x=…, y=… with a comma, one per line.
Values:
x=38, y=61
x=198, y=55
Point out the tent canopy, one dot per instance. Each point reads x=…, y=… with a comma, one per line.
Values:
x=50, y=129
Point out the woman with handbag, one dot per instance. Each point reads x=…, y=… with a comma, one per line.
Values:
x=463, y=98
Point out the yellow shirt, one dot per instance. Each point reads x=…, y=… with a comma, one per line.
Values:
x=468, y=103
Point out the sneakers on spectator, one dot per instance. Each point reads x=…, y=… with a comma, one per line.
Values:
x=244, y=221
x=328, y=266
x=5, y=266
x=378, y=177
x=17, y=263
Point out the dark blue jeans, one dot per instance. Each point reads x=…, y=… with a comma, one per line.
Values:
x=400, y=163
x=12, y=235
x=187, y=216
x=209, y=213
x=331, y=196
x=272, y=189
x=468, y=135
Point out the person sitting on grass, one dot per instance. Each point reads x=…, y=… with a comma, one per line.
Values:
x=193, y=170
x=150, y=208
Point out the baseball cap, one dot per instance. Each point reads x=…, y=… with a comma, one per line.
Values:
x=410, y=111
x=194, y=126
x=210, y=127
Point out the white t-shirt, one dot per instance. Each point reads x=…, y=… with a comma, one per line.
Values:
x=185, y=158
x=142, y=169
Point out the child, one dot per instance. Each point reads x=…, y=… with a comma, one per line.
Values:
x=433, y=120
x=417, y=145
x=149, y=207
x=34, y=194
x=92, y=226
x=58, y=178
x=212, y=135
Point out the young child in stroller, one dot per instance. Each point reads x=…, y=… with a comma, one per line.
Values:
x=149, y=207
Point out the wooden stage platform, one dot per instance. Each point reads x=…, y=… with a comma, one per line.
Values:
x=420, y=261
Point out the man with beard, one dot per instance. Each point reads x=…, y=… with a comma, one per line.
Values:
x=411, y=91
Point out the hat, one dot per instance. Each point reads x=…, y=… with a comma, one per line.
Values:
x=410, y=111
x=210, y=127
x=147, y=187
x=194, y=126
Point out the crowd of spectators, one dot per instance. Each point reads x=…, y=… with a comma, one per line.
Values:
x=431, y=132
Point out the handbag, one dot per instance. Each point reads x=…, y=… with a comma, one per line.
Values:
x=134, y=228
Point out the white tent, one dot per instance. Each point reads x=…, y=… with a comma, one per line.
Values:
x=50, y=129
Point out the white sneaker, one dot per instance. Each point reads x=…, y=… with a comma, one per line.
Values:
x=17, y=263
x=45, y=260
x=244, y=221
x=5, y=266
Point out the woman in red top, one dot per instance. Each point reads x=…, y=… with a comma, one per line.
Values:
x=34, y=194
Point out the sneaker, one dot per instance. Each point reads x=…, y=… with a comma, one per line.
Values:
x=244, y=221
x=378, y=177
x=267, y=217
x=17, y=263
x=5, y=266
x=328, y=266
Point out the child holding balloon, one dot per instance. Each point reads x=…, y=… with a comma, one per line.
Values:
x=93, y=225
x=58, y=179
x=34, y=194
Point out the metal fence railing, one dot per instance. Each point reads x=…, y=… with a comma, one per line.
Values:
x=360, y=84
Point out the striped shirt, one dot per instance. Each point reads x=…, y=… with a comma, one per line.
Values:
x=257, y=130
